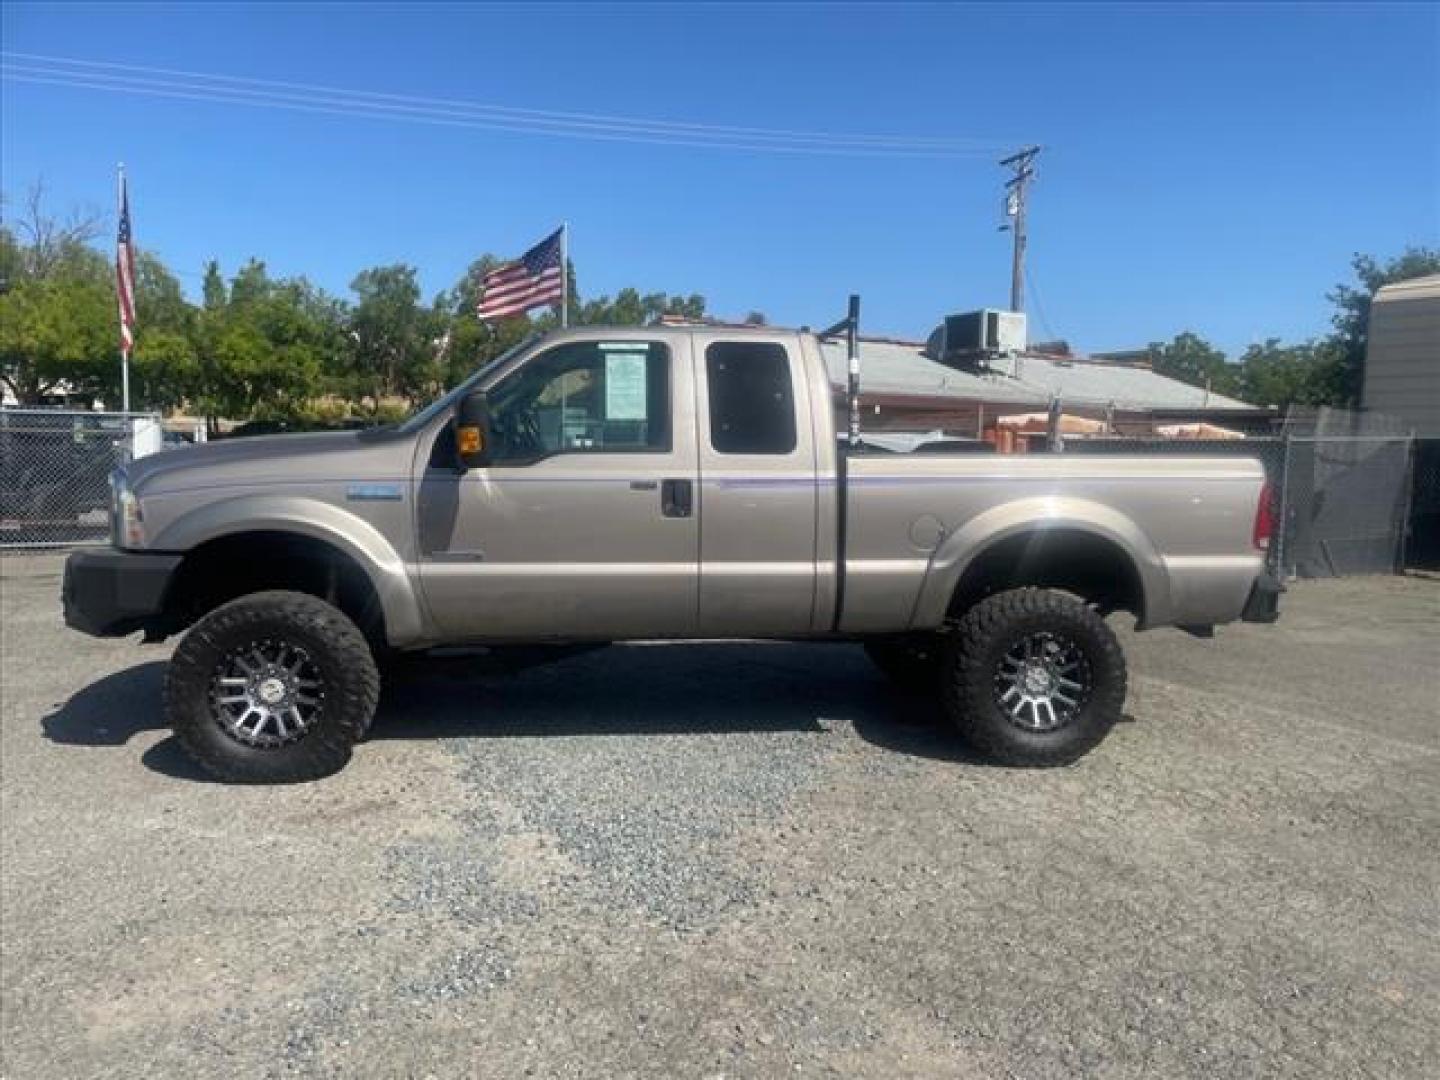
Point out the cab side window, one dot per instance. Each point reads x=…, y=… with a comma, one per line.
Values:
x=752, y=400
x=584, y=397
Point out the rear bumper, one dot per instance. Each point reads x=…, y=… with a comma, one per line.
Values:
x=1263, y=605
x=111, y=593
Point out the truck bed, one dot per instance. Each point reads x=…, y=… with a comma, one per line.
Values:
x=914, y=522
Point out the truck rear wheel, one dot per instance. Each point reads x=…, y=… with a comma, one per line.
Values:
x=272, y=688
x=1033, y=677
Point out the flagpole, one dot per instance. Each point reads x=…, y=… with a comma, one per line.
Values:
x=124, y=352
x=564, y=274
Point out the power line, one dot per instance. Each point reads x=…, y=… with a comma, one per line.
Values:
x=513, y=112
x=1040, y=307
x=358, y=113
x=376, y=113
x=199, y=86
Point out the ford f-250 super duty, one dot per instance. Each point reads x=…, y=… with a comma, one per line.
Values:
x=600, y=485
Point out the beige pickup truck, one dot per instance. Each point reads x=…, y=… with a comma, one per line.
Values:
x=601, y=485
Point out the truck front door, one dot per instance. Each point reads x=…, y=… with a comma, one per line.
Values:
x=585, y=524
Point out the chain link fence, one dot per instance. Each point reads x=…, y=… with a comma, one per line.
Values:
x=1345, y=494
x=1422, y=543
x=55, y=472
x=1353, y=493
x=1344, y=505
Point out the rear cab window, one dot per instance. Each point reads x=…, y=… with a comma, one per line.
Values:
x=752, y=398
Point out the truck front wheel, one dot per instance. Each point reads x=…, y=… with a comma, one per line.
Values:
x=272, y=688
x=1033, y=677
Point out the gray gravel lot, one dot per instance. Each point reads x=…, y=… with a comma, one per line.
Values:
x=740, y=860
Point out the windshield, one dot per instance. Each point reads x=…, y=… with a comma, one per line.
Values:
x=447, y=401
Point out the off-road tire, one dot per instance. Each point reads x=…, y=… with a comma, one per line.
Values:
x=337, y=651
x=911, y=663
x=971, y=662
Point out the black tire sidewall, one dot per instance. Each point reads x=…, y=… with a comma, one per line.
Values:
x=341, y=658
x=991, y=630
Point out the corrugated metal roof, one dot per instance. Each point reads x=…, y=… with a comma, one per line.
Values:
x=896, y=368
x=889, y=367
x=1128, y=387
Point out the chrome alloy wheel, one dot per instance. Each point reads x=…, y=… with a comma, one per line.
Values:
x=1043, y=682
x=266, y=693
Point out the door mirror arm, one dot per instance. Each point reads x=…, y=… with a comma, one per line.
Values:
x=472, y=431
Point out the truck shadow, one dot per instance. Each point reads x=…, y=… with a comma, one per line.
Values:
x=700, y=689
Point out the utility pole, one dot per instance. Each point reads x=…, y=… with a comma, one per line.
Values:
x=1015, y=189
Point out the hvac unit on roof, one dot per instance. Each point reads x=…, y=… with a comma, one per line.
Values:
x=971, y=339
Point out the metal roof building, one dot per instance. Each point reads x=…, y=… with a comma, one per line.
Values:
x=898, y=378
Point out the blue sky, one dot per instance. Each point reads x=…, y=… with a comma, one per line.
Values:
x=1205, y=168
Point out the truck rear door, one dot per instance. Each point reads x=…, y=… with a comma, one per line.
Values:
x=758, y=495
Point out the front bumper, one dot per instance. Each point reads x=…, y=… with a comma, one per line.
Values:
x=110, y=593
x=1263, y=606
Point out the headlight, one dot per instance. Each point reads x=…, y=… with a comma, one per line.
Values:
x=127, y=526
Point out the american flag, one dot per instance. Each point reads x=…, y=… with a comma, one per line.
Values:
x=125, y=274
x=534, y=279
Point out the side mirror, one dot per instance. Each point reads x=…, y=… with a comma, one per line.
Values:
x=472, y=431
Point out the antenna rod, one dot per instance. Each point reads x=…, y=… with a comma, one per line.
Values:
x=852, y=348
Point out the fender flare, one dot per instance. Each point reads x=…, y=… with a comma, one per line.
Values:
x=959, y=550
x=304, y=516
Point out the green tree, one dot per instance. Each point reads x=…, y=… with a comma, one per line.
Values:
x=1280, y=376
x=160, y=303
x=1193, y=360
x=1352, y=311
x=250, y=285
x=12, y=259
x=216, y=296
x=471, y=344
x=59, y=331
x=395, y=343
x=58, y=321
x=629, y=308
x=263, y=351
x=166, y=369
x=259, y=367
x=690, y=307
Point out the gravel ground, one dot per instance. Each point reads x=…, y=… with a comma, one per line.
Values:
x=741, y=860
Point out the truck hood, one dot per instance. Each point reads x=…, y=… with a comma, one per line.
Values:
x=276, y=459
